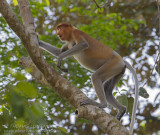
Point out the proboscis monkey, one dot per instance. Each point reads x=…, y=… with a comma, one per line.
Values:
x=107, y=65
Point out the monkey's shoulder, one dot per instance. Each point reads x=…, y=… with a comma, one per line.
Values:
x=95, y=46
x=79, y=36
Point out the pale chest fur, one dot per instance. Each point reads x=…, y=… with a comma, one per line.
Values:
x=88, y=62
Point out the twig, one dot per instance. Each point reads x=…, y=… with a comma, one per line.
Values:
x=96, y=4
x=106, y=4
x=152, y=70
x=157, y=97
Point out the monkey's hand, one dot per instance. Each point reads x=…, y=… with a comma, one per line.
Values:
x=59, y=65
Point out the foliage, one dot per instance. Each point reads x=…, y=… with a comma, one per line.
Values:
x=112, y=29
x=126, y=26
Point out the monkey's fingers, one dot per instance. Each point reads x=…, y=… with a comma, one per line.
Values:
x=63, y=69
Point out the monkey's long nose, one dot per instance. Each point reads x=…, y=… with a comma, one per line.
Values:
x=59, y=34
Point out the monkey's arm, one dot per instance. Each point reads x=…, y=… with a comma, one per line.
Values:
x=74, y=50
x=49, y=48
x=64, y=48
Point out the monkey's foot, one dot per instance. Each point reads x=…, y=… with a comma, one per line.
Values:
x=63, y=69
x=92, y=102
x=85, y=102
x=120, y=114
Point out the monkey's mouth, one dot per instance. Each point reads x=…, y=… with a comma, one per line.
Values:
x=61, y=37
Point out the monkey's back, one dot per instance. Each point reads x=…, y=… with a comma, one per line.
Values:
x=96, y=54
x=97, y=50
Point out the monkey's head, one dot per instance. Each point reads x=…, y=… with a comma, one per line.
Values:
x=64, y=31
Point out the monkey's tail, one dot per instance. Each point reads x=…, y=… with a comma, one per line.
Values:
x=136, y=96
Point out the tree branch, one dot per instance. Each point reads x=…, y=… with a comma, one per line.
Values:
x=64, y=88
x=96, y=4
x=106, y=122
x=27, y=63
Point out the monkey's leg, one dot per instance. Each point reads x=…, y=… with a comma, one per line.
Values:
x=97, y=82
x=105, y=72
x=108, y=87
x=50, y=48
x=98, y=86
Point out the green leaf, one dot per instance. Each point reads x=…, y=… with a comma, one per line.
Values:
x=47, y=2
x=73, y=9
x=17, y=106
x=121, y=82
x=99, y=10
x=19, y=76
x=130, y=105
x=19, y=122
x=64, y=8
x=123, y=90
x=60, y=1
x=123, y=100
x=143, y=92
x=37, y=110
x=26, y=89
x=62, y=129
x=114, y=93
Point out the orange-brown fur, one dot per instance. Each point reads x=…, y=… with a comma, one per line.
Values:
x=107, y=65
x=97, y=52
